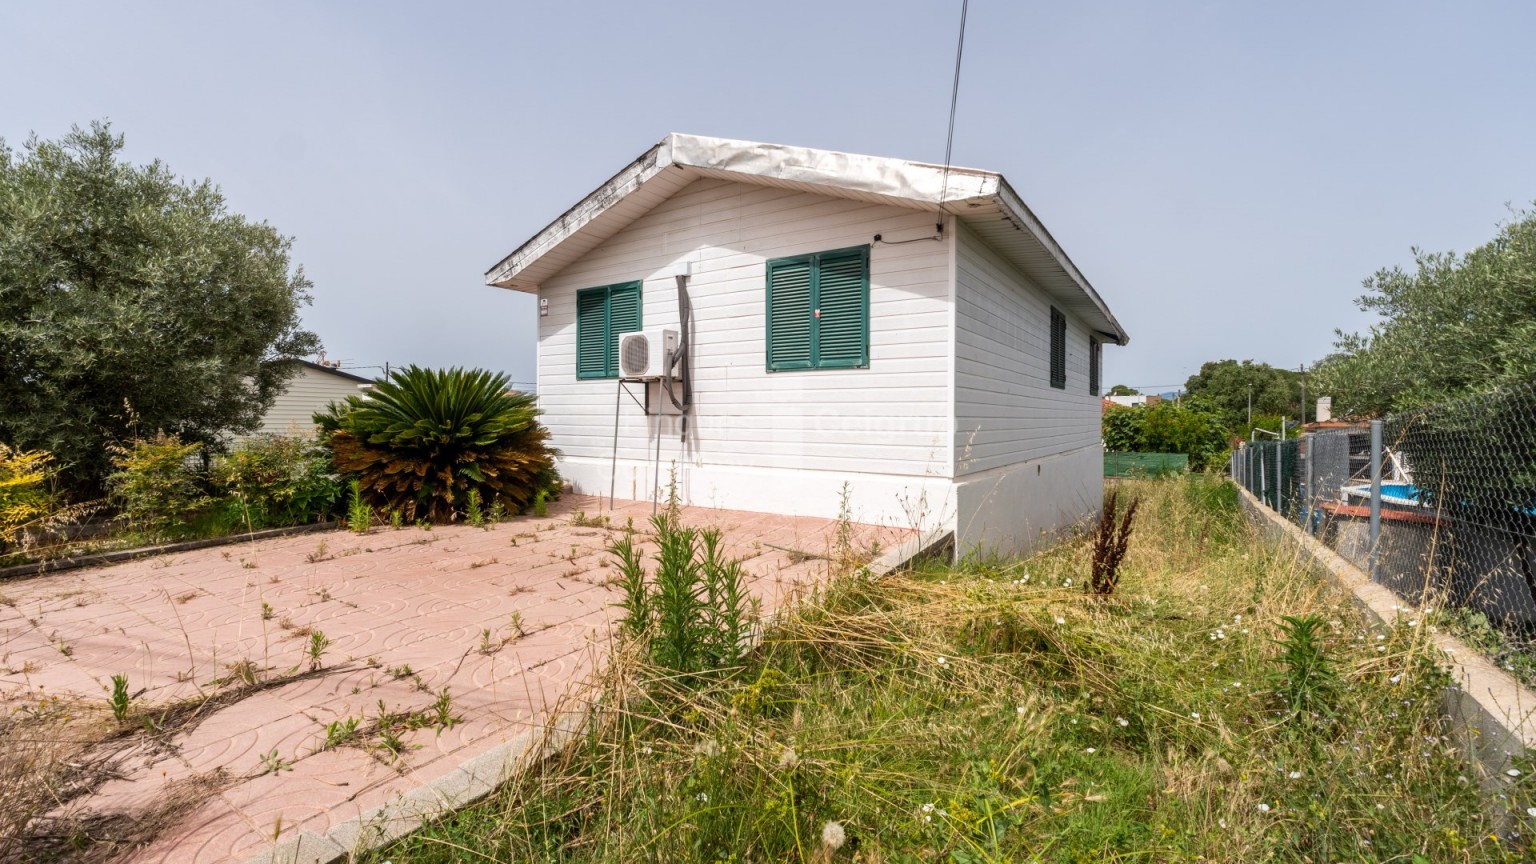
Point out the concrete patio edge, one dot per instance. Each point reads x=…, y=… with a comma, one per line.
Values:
x=1492, y=713
x=61, y=565
x=481, y=775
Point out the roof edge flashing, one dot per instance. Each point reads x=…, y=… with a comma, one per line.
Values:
x=597, y=202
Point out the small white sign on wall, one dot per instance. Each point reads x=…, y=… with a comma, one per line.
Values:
x=543, y=307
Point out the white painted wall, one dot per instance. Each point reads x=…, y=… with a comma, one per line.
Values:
x=1028, y=457
x=953, y=424
x=783, y=441
x=292, y=413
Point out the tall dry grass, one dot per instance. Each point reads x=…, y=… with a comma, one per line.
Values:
x=995, y=711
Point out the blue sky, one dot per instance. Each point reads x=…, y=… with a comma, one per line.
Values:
x=1224, y=173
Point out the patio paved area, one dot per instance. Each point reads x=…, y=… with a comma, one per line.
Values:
x=504, y=619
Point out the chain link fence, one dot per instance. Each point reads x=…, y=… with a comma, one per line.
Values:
x=1438, y=504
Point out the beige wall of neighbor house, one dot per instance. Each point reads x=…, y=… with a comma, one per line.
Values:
x=308, y=392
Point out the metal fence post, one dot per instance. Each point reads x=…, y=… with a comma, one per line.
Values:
x=1375, y=535
x=1308, y=496
x=1280, y=470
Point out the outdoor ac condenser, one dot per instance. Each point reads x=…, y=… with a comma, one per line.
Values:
x=647, y=354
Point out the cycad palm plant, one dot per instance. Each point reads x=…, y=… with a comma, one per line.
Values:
x=423, y=438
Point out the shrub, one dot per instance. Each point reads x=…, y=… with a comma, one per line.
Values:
x=424, y=438
x=697, y=613
x=24, y=497
x=278, y=480
x=154, y=486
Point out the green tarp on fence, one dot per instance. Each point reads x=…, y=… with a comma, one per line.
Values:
x=1144, y=464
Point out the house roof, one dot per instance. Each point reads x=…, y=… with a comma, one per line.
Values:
x=318, y=367
x=982, y=200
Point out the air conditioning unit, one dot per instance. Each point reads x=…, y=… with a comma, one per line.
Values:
x=647, y=354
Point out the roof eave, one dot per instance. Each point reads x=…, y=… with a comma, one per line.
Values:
x=1017, y=210
x=572, y=221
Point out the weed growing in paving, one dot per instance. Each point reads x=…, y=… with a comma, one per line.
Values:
x=359, y=514
x=340, y=732
x=473, y=514
x=991, y=712
x=272, y=763
x=121, y=700
x=696, y=614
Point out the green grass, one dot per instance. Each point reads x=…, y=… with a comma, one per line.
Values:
x=994, y=712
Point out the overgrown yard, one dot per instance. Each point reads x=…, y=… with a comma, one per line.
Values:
x=1223, y=705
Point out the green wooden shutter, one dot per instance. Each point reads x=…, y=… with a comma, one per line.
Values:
x=1095, y=357
x=841, y=320
x=789, y=314
x=1058, y=349
x=623, y=317
x=602, y=314
x=592, y=333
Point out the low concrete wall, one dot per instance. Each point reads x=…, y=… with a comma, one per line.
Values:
x=1020, y=508
x=1490, y=712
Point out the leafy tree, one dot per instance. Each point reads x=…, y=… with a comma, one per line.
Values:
x=1225, y=386
x=1191, y=427
x=1123, y=390
x=424, y=439
x=132, y=302
x=1456, y=325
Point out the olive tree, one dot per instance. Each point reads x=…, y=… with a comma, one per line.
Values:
x=1454, y=325
x=133, y=302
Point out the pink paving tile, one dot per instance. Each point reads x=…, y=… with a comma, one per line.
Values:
x=174, y=624
x=237, y=736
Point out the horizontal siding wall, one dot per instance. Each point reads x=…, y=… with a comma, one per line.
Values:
x=890, y=419
x=1005, y=408
x=307, y=392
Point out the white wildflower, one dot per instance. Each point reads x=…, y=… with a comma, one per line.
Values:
x=1395, y=678
x=1263, y=808
x=1195, y=714
x=1122, y=721
x=1513, y=772
x=1294, y=775
x=1531, y=812
x=833, y=836
x=1091, y=750
x=703, y=796
x=1020, y=709
x=942, y=661
x=1061, y=620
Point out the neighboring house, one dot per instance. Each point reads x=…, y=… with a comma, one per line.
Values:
x=1133, y=401
x=909, y=331
x=311, y=390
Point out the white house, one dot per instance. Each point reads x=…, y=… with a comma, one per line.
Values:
x=310, y=391
x=906, y=332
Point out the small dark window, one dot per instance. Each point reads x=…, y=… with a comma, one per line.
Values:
x=1058, y=349
x=1095, y=357
x=818, y=311
x=602, y=315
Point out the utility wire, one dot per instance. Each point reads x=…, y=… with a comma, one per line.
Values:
x=954, y=100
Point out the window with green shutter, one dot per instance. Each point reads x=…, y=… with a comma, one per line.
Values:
x=602, y=315
x=1095, y=364
x=1058, y=349
x=818, y=311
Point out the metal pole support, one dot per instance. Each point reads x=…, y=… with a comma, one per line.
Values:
x=1280, y=469
x=1375, y=535
x=1308, y=496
